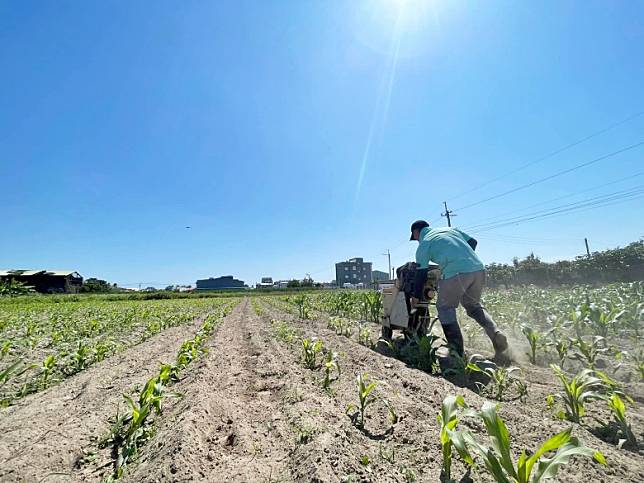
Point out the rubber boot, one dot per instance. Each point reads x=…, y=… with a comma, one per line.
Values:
x=498, y=338
x=454, y=338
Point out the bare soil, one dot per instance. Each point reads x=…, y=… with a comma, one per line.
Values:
x=45, y=434
x=251, y=412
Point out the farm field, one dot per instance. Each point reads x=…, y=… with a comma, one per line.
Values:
x=266, y=388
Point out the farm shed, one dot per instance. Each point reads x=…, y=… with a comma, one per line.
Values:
x=46, y=281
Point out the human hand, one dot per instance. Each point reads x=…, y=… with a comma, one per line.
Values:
x=414, y=302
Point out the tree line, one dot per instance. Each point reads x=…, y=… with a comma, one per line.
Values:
x=613, y=265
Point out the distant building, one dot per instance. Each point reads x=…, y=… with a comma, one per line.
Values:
x=353, y=271
x=280, y=284
x=379, y=276
x=220, y=283
x=266, y=283
x=46, y=281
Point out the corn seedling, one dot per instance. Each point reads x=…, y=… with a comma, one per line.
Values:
x=387, y=455
x=81, y=357
x=408, y=474
x=47, y=367
x=364, y=336
x=618, y=409
x=463, y=367
x=365, y=396
x=304, y=434
x=428, y=353
x=310, y=350
x=501, y=380
x=374, y=303
x=391, y=410
x=534, y=339
x=284, y=332
x=6, y=347
x=528, y=469
x=562, y=346
x=14, y=370
x=583, y=387
x=302, y=302
x=330, y=364
x=588, y=352
x=450, y=438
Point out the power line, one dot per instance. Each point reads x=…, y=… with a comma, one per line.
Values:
x=598, y=199
x=574, y=207
x=552, y=176
x=551, y=154
x=569, y=195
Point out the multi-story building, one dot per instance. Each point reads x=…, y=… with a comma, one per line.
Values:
x=353, y=271
x=266, y=283
x=220, y=283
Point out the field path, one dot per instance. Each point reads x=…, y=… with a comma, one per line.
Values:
x=233, y=421
x=45, y=433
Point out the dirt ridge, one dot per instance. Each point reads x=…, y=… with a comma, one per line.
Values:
x=45, y=433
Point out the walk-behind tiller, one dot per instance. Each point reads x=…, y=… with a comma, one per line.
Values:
x=411, y=281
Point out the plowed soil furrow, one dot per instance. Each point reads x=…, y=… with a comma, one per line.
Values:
x=45, y=434
x=231, y=422
x=418, y=396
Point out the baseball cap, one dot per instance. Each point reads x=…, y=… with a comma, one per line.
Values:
x=417, y=225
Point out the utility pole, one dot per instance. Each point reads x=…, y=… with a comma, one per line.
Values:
x=448, y=214
x=388, y=259
x=587, y=249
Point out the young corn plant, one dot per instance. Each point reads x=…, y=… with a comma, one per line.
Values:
x=366, y=398
x=534, y=339
x=135, y=427
x=5, y=348
x=501, y=380
x=331, y=365
x=302, y=303
x=364, y=336
x=562, y=346
x=374, y=302
x=391, y=410
x=81, y=357
x=14, y=370
x=47, y=368
x=450, y=438
x=463, y=367
x=588, y=352
x=527, y=469
x=310, y=350
x=428, y=353
x=583, y=387
x=618, y=409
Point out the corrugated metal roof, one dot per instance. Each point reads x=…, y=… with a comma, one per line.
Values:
x=22, y=272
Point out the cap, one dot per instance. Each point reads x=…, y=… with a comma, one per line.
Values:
x=417, y=225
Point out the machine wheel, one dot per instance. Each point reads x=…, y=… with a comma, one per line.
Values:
x=386, y=333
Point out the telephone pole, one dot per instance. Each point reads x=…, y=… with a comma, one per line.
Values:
x=448, y=214
x=388, y=259
x=587, y=249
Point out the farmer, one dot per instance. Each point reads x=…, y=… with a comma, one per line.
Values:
x=462, y=281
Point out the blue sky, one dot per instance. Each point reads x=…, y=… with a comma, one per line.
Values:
x=291, y=135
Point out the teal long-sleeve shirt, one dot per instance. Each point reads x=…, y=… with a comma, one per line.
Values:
x=449, y=249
